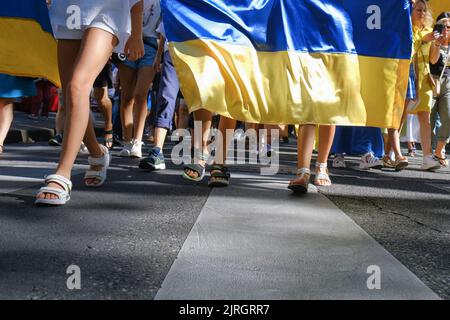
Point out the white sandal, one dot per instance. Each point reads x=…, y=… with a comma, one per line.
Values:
x=62, y=194
x=322, y=175
x=300, y=187
x=98, y=175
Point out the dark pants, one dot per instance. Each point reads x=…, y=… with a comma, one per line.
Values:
x=167, y=95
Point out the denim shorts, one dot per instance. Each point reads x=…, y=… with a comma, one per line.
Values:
x=151, y=46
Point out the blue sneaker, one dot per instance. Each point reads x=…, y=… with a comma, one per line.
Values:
x=57, y=140
x=155, y=161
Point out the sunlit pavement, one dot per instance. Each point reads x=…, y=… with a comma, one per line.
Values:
x=154, y=235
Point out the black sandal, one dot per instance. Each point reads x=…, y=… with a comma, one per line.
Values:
x=220, y=176
x=443, y=161
x=108, y=142
x=196, y=167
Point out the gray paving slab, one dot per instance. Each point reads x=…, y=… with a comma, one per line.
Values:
x=255, y=240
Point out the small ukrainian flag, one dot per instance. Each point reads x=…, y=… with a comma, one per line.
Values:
x=342, y=62
x=27, y=45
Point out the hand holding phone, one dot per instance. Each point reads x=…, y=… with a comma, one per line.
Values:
x=439, y=29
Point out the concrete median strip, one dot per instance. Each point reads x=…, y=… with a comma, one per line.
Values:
x=254, y=240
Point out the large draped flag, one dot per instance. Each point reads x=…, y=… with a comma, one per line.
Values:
x=439, y=6
x=27, y=45
x=293, y=61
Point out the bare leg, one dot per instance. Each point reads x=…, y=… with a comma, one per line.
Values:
x=394, y=140
x=160, y=136
x=60, y=119
x=217, y=174
x=305, y=146
x=425, y=132
x=6, y=118
x=80, y=62
x=144, y=80
x=105, y=106
x=326, y=137
x=222, y=146
x=128, y=81
x=183, y=116
x=204, y=116
x=439, y=152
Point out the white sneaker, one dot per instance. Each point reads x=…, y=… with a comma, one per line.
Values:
x=136, y=149
x=126, y=149
x=430, y=163
x=339, y=161
x=369, y=161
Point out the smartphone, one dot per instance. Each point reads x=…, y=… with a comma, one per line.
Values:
x=438, y=28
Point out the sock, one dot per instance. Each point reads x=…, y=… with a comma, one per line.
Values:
x=156, y=151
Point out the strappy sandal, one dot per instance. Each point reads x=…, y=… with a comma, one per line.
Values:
x=320, y=175
x=98, y=175
x=400, y=163
x=300, y=184
x=196, y=167
x=443, y=161
x=220, y=176
x=62, y=194
x=108, y=142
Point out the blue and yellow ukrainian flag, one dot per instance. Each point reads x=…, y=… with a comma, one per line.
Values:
x=27, y=45
x=340, y=62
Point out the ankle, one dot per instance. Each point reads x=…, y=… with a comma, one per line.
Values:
x=321, y=166
x=303, y=172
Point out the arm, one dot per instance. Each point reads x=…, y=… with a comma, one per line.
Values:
x=420, y=41
x=134, y=47
x=435, y=52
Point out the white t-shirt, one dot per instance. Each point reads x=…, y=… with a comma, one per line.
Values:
x=152, y=14
x=113, y=14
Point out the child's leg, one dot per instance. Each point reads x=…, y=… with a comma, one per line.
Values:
x=127, y=77
x=144, y=80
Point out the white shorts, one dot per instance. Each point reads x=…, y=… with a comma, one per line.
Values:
x=64, y=33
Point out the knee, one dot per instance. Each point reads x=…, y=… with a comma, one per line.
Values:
x=126, y=100
x=140, y=98
x=76, y=88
